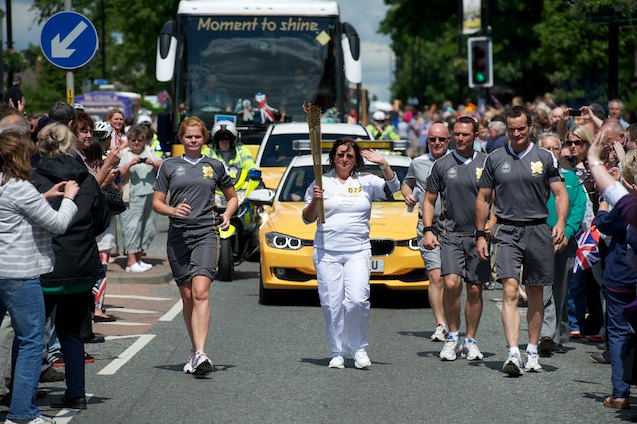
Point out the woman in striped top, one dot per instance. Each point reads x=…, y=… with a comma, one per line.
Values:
x=26, y=223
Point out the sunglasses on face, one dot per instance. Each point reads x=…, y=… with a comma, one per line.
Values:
x=440, y=139
x=574, y=142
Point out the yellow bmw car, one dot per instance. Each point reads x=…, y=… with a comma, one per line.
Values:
x=286, y=243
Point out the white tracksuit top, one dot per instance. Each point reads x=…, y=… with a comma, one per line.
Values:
x=348, y=209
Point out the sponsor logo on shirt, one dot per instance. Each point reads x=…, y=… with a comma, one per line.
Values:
x=207, y=172
x=452, y=173
x=536, y=168
x=478, y=173
x=180, y=171
x=506, y=168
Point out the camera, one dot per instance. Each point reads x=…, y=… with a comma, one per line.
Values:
x=574, y=112
x=142, y=160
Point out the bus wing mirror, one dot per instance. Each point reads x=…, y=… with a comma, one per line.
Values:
x=350, y=43
x=166, y=53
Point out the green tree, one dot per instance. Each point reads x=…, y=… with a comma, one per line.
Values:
x=538, y=46
x=131, y=30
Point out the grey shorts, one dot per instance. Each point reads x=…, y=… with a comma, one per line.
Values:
x=529, y=248
x=193, y=252
x=430, y=257
x=458, y=256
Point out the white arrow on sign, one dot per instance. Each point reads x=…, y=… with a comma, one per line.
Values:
x=59, y=49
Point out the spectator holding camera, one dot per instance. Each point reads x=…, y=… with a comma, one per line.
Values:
x=138, y=170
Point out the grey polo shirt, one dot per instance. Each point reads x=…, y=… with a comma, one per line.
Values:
x=521, y=184
x=456, y=183
x=419, y=170
x=195, y=183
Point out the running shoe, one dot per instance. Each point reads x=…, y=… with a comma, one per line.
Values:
x=56, y=359
x=136, y=267
x=361, y=360
x=188, y=367
x=440, y=334
x=532, y=362
x=201, y=365
x=512, y=365
x=471, y=351
x=337, y=362
x=450, y=349
x=144, y=264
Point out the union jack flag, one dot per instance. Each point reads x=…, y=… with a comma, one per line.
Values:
x=587, y=253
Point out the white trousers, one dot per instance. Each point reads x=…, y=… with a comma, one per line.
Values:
x=343, y=287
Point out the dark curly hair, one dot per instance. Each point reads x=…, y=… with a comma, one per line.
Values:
x=346, y=141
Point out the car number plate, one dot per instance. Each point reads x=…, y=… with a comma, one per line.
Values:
x=378, y=265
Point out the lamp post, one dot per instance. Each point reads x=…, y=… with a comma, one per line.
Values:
x=1, y=53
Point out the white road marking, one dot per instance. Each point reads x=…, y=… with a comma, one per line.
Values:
x=127, y=355
x=173, y=312
x=122, y=323
x=130, y=296
x=130, y=336
x=64, y=416
x=133, y=311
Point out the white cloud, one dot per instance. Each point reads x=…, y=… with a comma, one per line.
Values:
x=25, y=27
x=376, y=55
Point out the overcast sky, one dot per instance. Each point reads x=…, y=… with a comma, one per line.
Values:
x=365, y=15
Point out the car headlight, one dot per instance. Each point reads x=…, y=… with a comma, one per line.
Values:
x=282, y=241
x=413, y=244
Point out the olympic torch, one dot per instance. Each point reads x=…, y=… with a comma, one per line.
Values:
x=313, y=114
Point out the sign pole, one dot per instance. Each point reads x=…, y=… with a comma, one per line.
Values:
x=70, y=78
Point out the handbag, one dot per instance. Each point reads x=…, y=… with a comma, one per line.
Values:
x=114, y=199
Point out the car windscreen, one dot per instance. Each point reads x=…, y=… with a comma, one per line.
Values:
x=278, y=150
x=300, y=178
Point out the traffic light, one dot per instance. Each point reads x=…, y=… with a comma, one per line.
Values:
x=480, y=62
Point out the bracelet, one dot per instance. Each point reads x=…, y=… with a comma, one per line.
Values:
x=480, y=233
x=68, y=198
x=597, y=162
x=430, y=228
x=383, y=167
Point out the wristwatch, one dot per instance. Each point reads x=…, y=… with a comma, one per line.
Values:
x=480, y=233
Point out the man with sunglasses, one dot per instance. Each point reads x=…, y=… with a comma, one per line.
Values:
x=415, y=180
x=520, y=175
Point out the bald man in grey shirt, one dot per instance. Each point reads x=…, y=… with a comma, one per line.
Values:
x=438, y=143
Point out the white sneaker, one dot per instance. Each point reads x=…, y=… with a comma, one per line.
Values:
x=512, y=365
x=440, y=335
x=144, y=264
x=188, y=366
x=42, y=419
x=532, y=362
x=200, y=364
x=337, y=362
x=135, y=268
x=450, y=349
x=361, y=360
x=471, y=351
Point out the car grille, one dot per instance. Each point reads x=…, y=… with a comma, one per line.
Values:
x=382, y=247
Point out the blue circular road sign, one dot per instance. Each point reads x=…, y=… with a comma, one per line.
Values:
x=69, y=40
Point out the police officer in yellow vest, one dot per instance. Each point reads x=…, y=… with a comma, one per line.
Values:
x=234, y=156
x=381, y=129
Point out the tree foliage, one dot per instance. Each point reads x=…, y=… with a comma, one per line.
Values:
x=130, y=36
x=539, y=46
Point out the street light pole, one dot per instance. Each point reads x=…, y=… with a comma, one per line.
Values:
x=9, y=40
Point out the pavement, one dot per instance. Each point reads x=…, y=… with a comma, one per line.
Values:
x=156, y=255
